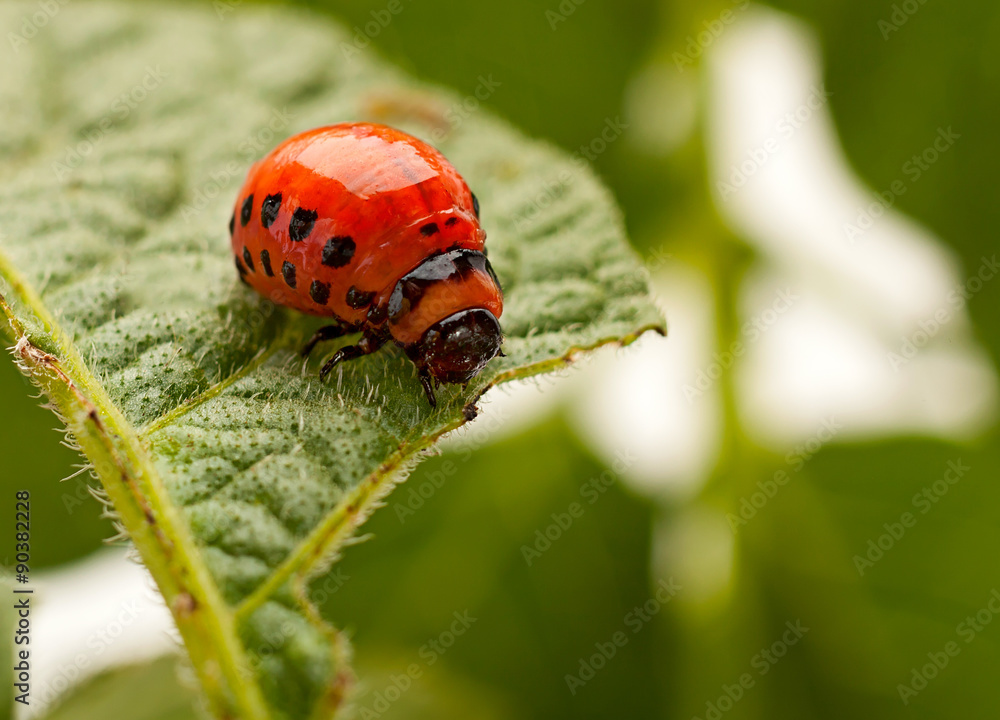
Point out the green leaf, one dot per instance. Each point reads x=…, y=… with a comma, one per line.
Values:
x=237, y=474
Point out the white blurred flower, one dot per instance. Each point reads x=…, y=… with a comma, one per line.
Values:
x=833, y=324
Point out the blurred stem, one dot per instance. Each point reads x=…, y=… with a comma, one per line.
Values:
x=724, y=259
x=727, y=266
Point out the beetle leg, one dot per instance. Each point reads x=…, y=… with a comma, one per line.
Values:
x=328, y=332
x=426, y=382
x=368, y=344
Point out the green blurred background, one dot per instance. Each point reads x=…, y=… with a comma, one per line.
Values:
x=462, y=551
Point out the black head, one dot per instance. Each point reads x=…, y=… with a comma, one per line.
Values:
x=457, y=348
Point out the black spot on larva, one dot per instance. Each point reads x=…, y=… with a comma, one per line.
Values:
x=248, y=259
x=358, y=299
x=450, y=221
x=243, y=271
x=246, y=210
x=428, y=229
x=475, y=204
x=265, y=262
x=288, y=272
x=338, y=251
x=319, y=292
x=232, y=224
x=301, y=224
x=269, y=209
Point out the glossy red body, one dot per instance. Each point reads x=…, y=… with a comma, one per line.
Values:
x=372, y=203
